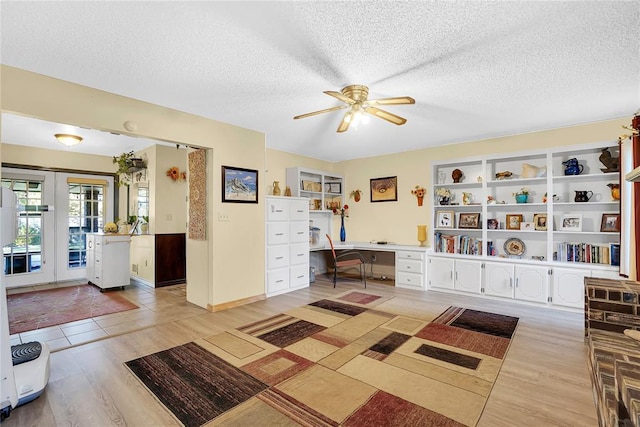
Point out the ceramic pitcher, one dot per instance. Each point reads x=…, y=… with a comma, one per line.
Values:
x=572, y=167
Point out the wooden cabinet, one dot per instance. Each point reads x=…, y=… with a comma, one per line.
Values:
x=159, y=260
x=323, y=190
x=287, y=240
x=108, y=259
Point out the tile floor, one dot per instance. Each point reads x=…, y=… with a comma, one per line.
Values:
x=154, y=308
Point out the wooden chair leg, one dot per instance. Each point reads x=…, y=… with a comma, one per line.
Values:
x=335, y=272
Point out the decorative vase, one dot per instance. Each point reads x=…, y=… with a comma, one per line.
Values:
x=420, y=201
x=444, y=200
x=276, y=188
x=287, y=191
x=615, y=191
x=422, y=235
x=343, y=232
x=521, y=198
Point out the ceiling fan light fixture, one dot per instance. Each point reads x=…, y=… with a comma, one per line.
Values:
x=68, y=139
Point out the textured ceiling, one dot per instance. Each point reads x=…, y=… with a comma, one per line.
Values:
x=476, y=69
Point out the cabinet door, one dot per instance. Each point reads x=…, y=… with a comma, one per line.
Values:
x=299, y=254
x=531, y=283
x=568, y=287
x=498, y=279
x=299, y=231
x=299, y=210
x=468, y=276
x=277, y=233
x=440, y=273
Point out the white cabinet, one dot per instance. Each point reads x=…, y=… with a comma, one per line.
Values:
x=467, y=276
x=521, y=282
x=440, y=273
x=323, y=190
x=108, y=259
x=411, y=269
x=287, y=239
x=458, y=274
x=568, y=287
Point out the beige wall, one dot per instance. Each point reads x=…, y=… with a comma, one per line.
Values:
x=216, y=268
x=397, y=221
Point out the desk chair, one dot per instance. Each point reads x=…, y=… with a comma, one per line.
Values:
x=354, y=258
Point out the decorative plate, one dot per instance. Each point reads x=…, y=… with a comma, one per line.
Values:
x=514, y=246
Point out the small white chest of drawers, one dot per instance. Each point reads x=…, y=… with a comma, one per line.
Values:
x=108, y=259
x=411, y=270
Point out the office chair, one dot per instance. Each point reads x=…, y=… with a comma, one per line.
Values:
x=354, y=258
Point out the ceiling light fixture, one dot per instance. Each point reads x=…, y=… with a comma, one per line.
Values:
x=67, y=139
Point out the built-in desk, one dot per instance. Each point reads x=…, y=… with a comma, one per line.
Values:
x=410, y=261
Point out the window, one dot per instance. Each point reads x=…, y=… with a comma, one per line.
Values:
x=24, y=254
x=86, y=215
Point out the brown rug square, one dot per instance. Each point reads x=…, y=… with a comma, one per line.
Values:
x=40, y=309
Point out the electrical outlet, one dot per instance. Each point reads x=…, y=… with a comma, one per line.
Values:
x=222, y=217
x=374, y=258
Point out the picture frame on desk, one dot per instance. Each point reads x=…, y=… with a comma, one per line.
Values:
x=445, y=219
x=469, y=220
x=384, y=189
x=513, y=221
x=610, y=223
x=239, y=185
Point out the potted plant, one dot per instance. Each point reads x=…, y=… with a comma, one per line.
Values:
x=521, y=195
x=128, y=164
x=444, y=195
x=419, y=192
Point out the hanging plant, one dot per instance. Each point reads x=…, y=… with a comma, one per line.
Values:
x=127, y=165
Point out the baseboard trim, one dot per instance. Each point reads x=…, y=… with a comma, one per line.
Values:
x=236, y=303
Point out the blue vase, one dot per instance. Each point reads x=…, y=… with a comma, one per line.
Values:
x=343, y=232
x=522, y=198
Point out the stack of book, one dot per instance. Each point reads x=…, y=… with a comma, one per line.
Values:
x=589, y=253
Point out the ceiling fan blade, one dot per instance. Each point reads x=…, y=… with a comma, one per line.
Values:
x=344, y=124
x=392, y=101
x=340, y=96
x=385, y=115
x=326, y=110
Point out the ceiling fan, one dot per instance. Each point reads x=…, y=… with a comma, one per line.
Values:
x=355, y=98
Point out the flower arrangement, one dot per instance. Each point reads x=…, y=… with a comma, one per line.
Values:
x=522, y=192
x=175, y=174
x=419, y=192
x=443, y=192
x=343, y=211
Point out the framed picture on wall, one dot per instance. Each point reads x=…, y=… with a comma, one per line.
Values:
x=384, y=189
x=239, y=185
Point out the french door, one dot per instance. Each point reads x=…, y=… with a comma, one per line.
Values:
x=57, y=210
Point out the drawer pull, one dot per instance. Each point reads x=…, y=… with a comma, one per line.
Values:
x=301, y=232
x=408, y=267
x=279, y=281
x=300, y=211
x=279, y=210
x=300, y=254
x=279, y=234
x=300, y=277
x=279, y=257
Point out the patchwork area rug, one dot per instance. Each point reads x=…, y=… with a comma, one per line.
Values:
x=40, y=309
x=353, y=360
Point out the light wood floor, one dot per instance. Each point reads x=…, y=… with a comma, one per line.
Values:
x=543, y=382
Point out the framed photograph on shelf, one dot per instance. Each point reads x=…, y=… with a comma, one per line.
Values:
x=384, y=189
x=513, y=221
x=571, y=222
x=492, y=224
x=239, y=185
x=445, y=219
x=540, y=221
x=333, y=187
x=610, y=223
x=527, y=226
x=469, y=220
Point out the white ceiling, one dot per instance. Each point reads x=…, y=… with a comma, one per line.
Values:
x=476, y=69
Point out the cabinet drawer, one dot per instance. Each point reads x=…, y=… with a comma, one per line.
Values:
x=299, y=254
x=299, y=231
x=277, y=256
x=299, y=276
x=413, y=280
x=277, y=233
x=277, y=210
x=410, y=266
x=410, y=255
x=278, y=280
x=299, y=210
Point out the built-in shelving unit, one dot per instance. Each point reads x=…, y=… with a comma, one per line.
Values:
x=484, y=223
x=324, y=190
